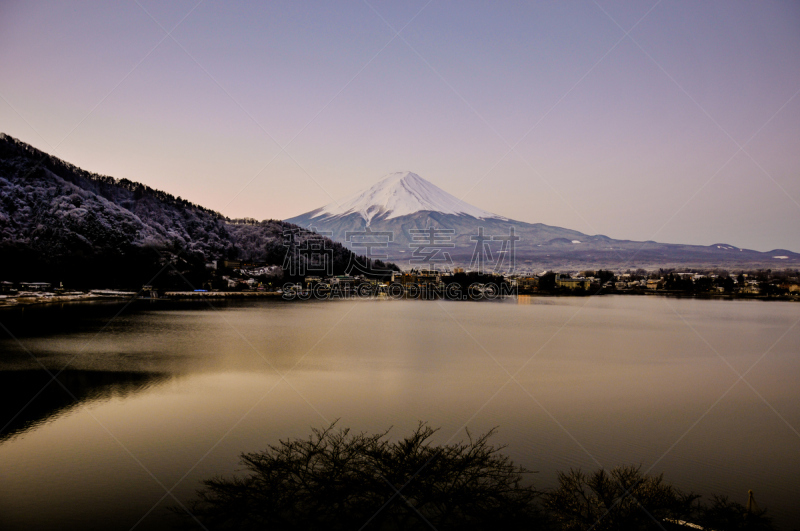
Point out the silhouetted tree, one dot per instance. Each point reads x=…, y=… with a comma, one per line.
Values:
x=336, y=479
x=623, y=498
x=722, y=513
x=547, y=282
x=605, y=276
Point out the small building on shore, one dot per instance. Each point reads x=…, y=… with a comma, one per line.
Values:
x=791, y=287
x=428, y=276
x=527, y=283
x=35, y=286
x=312, y=281
x=750, y=289
x=572, y=283
x=343, y=281
x=7, y=287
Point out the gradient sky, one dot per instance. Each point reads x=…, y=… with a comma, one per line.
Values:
x=685, y=130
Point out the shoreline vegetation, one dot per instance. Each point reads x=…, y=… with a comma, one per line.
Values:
x=478, y=293
x=339, y=479
x=254, y=280
x=47, y=298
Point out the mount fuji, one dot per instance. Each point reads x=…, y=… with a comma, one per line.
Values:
x=400, y=194
x=403, y=203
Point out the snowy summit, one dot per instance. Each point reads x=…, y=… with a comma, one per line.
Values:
x=400, y=194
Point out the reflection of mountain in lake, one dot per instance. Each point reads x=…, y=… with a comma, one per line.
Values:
x=21, y=408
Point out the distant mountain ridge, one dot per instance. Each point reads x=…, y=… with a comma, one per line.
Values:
x=404, y=203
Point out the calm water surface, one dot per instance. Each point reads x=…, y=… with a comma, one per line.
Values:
x=169, y=394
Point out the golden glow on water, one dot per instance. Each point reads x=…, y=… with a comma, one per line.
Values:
x=613, y=379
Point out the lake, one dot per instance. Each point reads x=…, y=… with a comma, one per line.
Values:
x=163, y=394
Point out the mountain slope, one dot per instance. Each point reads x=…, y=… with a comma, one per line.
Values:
x=59, y=222
x=55, y=207
x=404, y=203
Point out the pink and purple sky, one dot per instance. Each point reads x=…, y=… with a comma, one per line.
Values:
x=672, y=121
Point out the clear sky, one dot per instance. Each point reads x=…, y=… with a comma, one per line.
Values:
x=672, y=121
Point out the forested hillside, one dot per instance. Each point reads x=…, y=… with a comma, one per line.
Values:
x=60, y=223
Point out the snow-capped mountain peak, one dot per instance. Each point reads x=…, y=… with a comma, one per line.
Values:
x=399, y=194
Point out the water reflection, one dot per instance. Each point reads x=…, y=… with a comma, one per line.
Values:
x=626, y=378
x=31, y=398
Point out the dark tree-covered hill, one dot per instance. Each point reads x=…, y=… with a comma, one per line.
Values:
x=60, y=223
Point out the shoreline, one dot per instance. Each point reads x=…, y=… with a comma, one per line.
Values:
x=109, y=296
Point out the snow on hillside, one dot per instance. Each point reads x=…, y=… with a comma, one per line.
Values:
x=399, y=194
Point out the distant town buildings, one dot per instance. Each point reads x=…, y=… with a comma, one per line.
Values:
x=241, y=276
x=566, y=282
